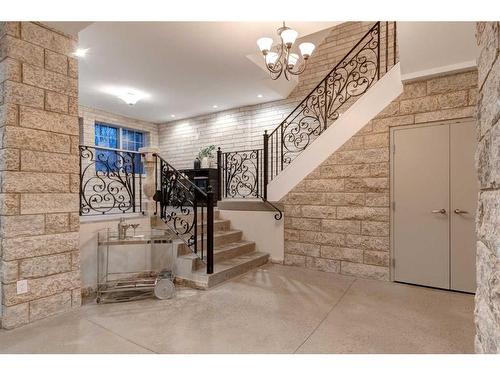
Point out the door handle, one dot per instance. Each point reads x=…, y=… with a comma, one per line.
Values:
x=441, y=211
x=458, y=211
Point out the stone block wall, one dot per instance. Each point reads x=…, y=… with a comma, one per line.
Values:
x=487, y=312
x=337, y=218
x=242, y=128
x=39, y=172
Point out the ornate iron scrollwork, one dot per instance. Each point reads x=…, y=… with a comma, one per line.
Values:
x=350, y=78
x=178, y=204
x=241, y=173
x=108, y=181
x=187, y=210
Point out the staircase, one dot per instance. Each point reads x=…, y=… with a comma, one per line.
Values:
x=233, y=256
x=208, y=251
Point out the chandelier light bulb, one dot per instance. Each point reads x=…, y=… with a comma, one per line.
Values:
x=271, y=58
x=292, y=59
x=289, y=36
x=306, y=49
x=265, y=44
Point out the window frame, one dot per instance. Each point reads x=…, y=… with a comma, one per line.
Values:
x=138, y=168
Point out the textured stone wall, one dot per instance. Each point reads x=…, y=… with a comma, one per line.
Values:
x=488, y=214
x=337, y=218
x=242, y=128
x=39, y=172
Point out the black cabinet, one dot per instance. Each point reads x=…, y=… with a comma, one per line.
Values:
x=203, y=178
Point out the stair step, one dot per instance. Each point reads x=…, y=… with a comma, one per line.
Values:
x=223, y=270
x=221, y=253
x=221, y=238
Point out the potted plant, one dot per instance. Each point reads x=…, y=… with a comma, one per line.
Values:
x=206, y=156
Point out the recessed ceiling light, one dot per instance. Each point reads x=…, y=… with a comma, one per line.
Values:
x=260, y=96
x=81, y=52
x=128, y=95
x=172, y=116
x=215, y=106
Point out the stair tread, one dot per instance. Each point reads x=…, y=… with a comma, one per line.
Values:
x=231, y=263
x=221, y=248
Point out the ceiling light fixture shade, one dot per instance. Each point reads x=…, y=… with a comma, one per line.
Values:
x=128, y=95
x=265, y=44
x=292, y=59
x=306, y=49
x=271, y=58
x=279, y=59
x=289, y=36
x=81, y=52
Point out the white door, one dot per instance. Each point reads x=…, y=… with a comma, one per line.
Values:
x=421, y=210
x=434, y=194
x=463, y=198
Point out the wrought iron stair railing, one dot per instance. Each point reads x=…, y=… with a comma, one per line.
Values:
x=110, y=181
x=240, y=174
x=186, y=209
x=247, y=173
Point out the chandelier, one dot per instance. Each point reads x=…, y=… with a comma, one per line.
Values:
x=279, y=59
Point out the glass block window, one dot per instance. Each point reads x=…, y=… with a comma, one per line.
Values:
x=115, y=137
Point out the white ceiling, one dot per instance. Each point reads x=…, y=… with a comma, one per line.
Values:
x=430, y=48
x=186, y=67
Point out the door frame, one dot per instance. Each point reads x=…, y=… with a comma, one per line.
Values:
x=392, y=129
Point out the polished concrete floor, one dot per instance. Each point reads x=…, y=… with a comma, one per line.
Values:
x=273, y=309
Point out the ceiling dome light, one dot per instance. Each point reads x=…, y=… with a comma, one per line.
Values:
x=215, y=106
x=128, y=95
x=279, y=59
x=81, y=52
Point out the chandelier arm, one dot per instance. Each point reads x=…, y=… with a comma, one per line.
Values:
x=276, y=67
x=300, y=70
x=278, y=62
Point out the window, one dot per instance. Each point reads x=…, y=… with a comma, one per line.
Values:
x=111, y=136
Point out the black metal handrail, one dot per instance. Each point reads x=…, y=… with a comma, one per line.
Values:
x=110, y=181
x=186, y=209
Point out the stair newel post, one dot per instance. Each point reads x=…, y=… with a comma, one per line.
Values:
x=210, y=231
x=150, y=184
x=219, y=174
x=265, y=164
